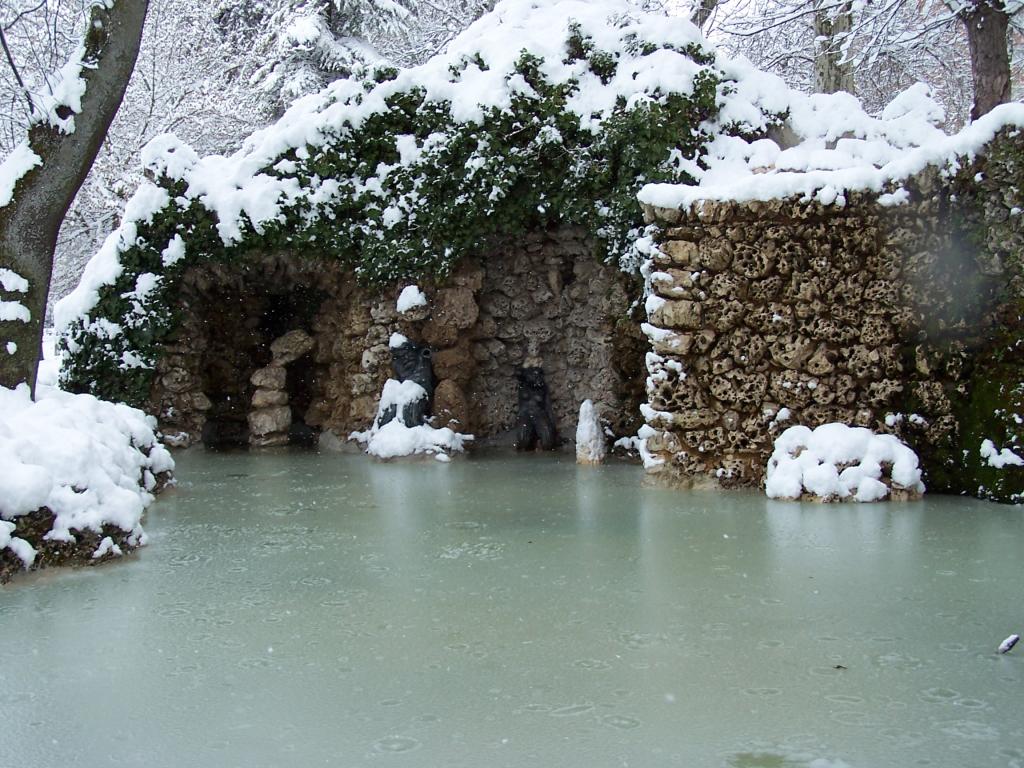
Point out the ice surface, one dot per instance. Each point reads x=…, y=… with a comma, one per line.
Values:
x=518, y=611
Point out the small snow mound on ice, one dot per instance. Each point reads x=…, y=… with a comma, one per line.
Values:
x=838, y=462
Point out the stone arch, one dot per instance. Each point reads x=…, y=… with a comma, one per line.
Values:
x=542, y=298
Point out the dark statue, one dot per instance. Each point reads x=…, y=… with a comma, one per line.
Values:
x=412, y=362
x=536, y=423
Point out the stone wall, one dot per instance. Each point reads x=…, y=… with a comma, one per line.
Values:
x=543, y=299
x=769, y=314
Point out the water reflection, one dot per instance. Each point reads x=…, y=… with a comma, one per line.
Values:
x=518, y=611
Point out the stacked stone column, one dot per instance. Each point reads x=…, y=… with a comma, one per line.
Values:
x=270, y=417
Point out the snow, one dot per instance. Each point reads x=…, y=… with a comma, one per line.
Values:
x=1007, y=645
x=12, y=282
x=91, y=462
x=11, y=311
x=49, y=367
x=395, y=439
x=105, y=267
x=14, y=167
x=167, y=155
x=65, y=89
x=397, y=340
x=590, y=443
x=836, y=461
x=410, y=298
x=476, y=74
x=841, y=148
x=174, y=252
x=999, y=458
x=107, y=547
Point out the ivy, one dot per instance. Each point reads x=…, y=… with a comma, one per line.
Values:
x=529, y=165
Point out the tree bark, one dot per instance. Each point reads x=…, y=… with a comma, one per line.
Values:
x=986, y=22
x=30, y=222
x=831, y=73
x=702, y=12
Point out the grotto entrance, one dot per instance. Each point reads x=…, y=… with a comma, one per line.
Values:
x=258, y=371
x=248, y=353
x=285, y=349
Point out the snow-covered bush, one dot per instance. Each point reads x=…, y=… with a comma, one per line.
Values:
x=542, y=112
x=74, y=472
x=835, y=462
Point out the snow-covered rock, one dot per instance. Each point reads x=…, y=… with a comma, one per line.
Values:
x=410, y=298
x=835, y=462
x=94, y=465
x=590, y=441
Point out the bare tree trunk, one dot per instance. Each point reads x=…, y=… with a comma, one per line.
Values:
x=986, y=22
x=30, y=222
x=702, y=12
x=831, y=73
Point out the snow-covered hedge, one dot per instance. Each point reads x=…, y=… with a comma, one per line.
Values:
x=835, y=462
x=542, y=112
x=76, y=475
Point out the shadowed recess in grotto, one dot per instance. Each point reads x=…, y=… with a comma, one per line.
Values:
x=256, y=365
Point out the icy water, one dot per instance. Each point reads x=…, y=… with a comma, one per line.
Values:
x=304, y=610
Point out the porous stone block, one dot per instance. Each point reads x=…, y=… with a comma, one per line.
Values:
x=291, y=346
x=269, y=420
x=678, y=314
x=264, y=398
x=451, y=407
x=271, y=377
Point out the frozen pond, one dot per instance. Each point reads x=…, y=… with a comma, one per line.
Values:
x=304, y=610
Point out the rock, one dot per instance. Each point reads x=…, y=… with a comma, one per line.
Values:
x=291, y=346
x=263, y=398
x=681, y=253
x=271, y=377
x=272, y=440
x=178, y=380
x=451, y=407
x=454, y=310
x=677, y=314
x=456, y=363
x=267, y=421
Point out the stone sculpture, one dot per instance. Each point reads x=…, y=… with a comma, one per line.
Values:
x=535, y=424
x=412, y=362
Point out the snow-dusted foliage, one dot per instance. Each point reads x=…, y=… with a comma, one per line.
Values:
x=91, y=463
x=542, y=112
x=839, y=149
x=835, y=462
x=302, y=45
x=997, y=458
